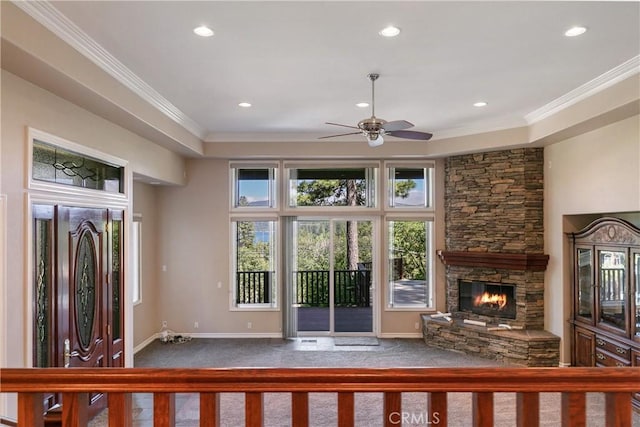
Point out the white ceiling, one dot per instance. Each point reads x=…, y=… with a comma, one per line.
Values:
x=304, y=63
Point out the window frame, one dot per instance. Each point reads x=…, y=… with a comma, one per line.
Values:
x=429, y=266
x=136, y=259
x=64, y=189
x=372, y=176
x=390, y=166
x=275, y=262
x=273, y=186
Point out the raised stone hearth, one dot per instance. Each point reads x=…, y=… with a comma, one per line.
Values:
x=514, y=347
x=494, y=234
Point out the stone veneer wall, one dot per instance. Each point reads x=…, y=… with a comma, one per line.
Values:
x=494, y=203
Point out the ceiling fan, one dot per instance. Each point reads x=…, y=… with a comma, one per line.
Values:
x=374, y=128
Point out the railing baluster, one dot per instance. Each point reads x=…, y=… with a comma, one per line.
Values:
x=31, y=409
x=346, y=413
x=75, y=409
x=392, y=408
x=209, y=409
x=527, y=409
x=482, y=412
x=438, y=408
x=164, y=409
x=618, y=409
x=299, y=409
x=573, y=409
x=254, y=409
x=120, y=410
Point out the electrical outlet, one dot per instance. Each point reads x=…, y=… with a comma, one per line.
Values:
x=164, y=323
x=196, y=325
x=417, y=325
x=249, y=325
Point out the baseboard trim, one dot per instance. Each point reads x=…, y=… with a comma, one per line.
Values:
x=145, y=343
x=234, y=335
x=156, y=336
x=5, y=421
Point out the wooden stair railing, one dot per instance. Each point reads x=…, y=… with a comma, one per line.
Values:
x=618, y=384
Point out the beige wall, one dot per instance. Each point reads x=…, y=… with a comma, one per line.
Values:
x=594, y=173
x=195, y=252
x=146, y=318
x=25, y=105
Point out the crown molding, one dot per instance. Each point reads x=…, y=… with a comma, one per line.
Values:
x=603, y=81
x=52, y=19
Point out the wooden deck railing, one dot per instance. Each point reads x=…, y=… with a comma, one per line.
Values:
x=76, y=384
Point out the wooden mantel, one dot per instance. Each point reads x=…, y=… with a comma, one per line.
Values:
x=508, y=261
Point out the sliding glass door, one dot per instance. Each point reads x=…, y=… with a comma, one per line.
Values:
x=331, y=275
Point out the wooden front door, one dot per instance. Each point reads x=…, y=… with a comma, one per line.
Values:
x=79, y=318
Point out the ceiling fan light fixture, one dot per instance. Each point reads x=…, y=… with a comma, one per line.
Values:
x=575, y=31
x=375, y=140
x=389, y=31
x=203, y=31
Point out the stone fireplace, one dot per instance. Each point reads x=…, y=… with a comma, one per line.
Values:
x=494, y=242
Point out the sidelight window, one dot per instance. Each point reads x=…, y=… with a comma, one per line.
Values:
x=410, y=264
x=254, y=264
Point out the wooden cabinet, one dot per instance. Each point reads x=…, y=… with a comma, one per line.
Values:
x=606, y=295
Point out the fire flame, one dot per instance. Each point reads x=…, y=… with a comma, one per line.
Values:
x=499, y=300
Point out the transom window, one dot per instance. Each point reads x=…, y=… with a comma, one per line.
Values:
x=409, y=186
x=339, y=186
x=254, y=187
x=57, y=165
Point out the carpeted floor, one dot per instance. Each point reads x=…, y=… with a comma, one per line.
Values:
x=326, y=352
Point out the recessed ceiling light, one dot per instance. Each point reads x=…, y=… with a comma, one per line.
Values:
x=203, y=31
x=362, y=104
x=244, y=105
x=389, y=31
x=575, y=31
x=480, y=104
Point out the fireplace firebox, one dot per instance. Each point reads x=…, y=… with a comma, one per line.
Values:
x=487, y=299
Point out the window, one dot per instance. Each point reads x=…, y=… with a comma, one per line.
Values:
x=136, y=259
x=410, y=187
x=254, y=187
x=255, y=275
x=337, y=186
x=410, y=264
x=57, y=165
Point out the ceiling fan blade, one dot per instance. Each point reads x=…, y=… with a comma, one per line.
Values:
x=344, y=126
x=411, y=134
x=396, y=125
x=342, y=134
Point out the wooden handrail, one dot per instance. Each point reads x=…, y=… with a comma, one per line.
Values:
x=618, y=384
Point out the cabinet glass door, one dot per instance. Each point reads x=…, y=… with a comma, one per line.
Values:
x=584, y=274
x=636, y=281
x=613, y=292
